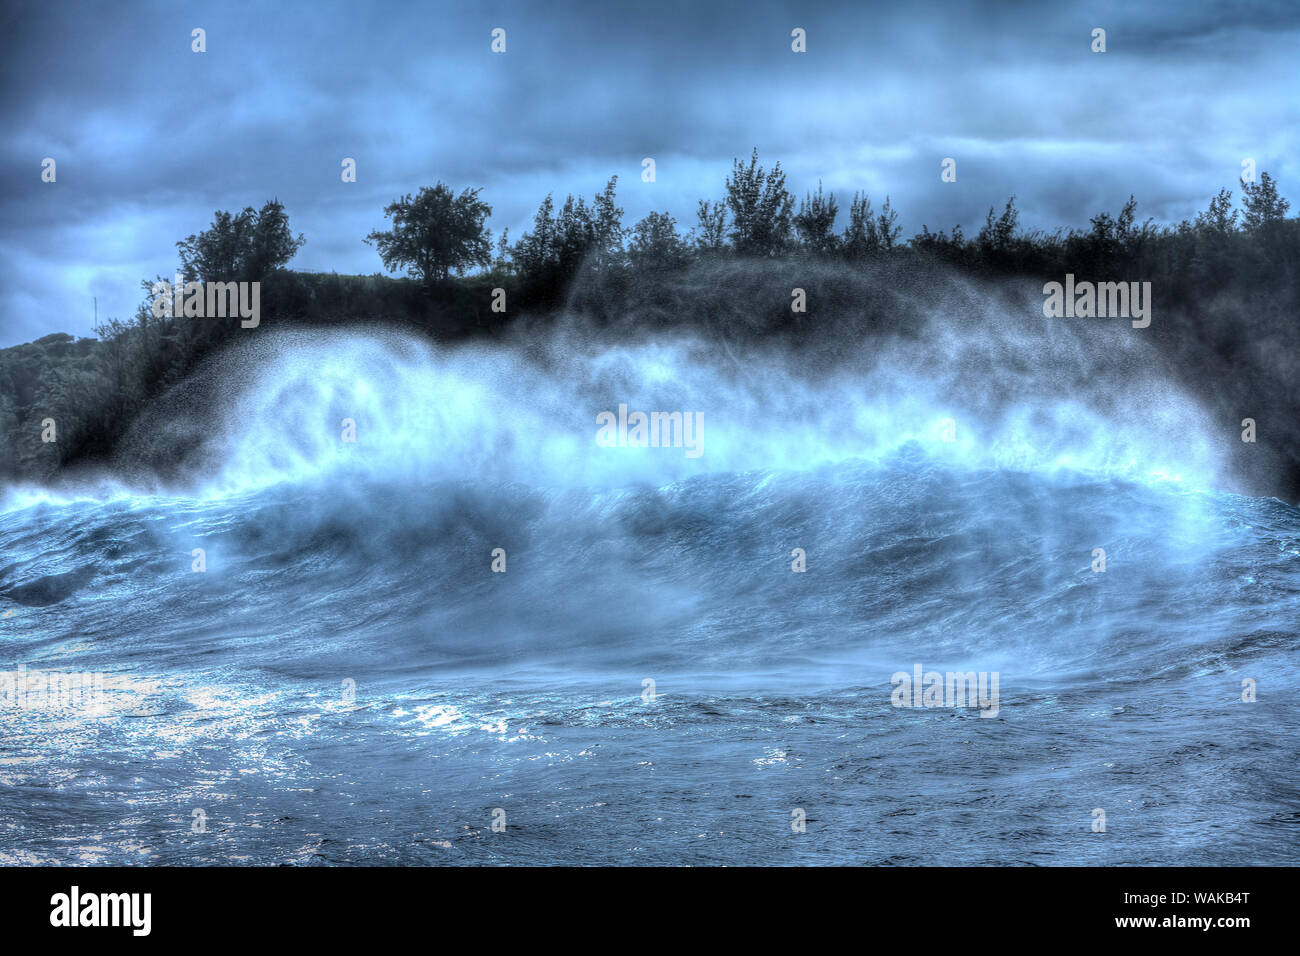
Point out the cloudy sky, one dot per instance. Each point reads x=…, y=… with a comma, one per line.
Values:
x=150, y=138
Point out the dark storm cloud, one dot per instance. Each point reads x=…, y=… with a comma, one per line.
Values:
x=151, y=138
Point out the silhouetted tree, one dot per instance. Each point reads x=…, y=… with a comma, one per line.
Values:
x=815, y=222
x=996, y=235
x=1220, y=218
x=1262, y=203
x=535, y=252
x=435, y=233
x=575, y=235
x=607, y=228
x=762, y=210
x=862, y=234
x=562, y=243
x=502, y=262
x=887, y=227
x=710, y=232
x=245, y=247
x=654, y=243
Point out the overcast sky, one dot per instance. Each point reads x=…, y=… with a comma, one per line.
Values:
x=150, y=138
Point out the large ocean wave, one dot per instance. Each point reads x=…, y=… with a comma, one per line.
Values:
x=349, y=680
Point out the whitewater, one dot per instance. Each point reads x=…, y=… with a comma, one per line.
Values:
x=346, y=680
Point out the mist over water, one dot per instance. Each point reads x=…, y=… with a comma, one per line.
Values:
x=369, y=561
x=1029, y=396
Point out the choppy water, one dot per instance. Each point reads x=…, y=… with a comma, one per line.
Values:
x=349, y=682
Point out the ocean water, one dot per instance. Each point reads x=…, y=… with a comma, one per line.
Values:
x=650, y=681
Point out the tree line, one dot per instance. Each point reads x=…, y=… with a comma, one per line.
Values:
x=437, y=232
